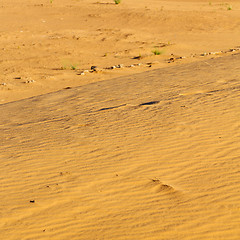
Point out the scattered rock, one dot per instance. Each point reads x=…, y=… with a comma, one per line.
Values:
x=4, y=84
x=81, y=73
x=119, y=66
x=97, y=70
x=30, y=81
x=32, y=201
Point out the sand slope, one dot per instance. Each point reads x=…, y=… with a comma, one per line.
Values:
x=154, y=155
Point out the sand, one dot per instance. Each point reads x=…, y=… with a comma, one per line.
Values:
x=145, y=151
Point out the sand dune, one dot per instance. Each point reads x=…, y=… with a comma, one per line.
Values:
x=153, y=155
x=145, y=145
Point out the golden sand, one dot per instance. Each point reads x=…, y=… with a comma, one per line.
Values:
x=147, y=151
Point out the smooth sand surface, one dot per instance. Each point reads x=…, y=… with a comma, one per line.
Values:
x=142, y=152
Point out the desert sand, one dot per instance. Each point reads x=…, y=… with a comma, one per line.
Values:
x=143, y=146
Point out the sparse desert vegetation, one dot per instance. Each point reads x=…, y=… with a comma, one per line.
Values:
x=117, y=1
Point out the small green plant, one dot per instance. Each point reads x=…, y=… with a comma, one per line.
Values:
x=229, y=7
x=157, y=52
x=117, y=1
x=73, y=67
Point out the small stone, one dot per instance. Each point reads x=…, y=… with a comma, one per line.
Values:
x=113, y=67
x=4, y=84
x=119, y=66
x=93, y=68
x=131, y=65
x=97, y=70
x=32, y=201
x=82, y=73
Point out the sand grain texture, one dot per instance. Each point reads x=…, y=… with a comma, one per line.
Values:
x=146, y=151
x=149, y=156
